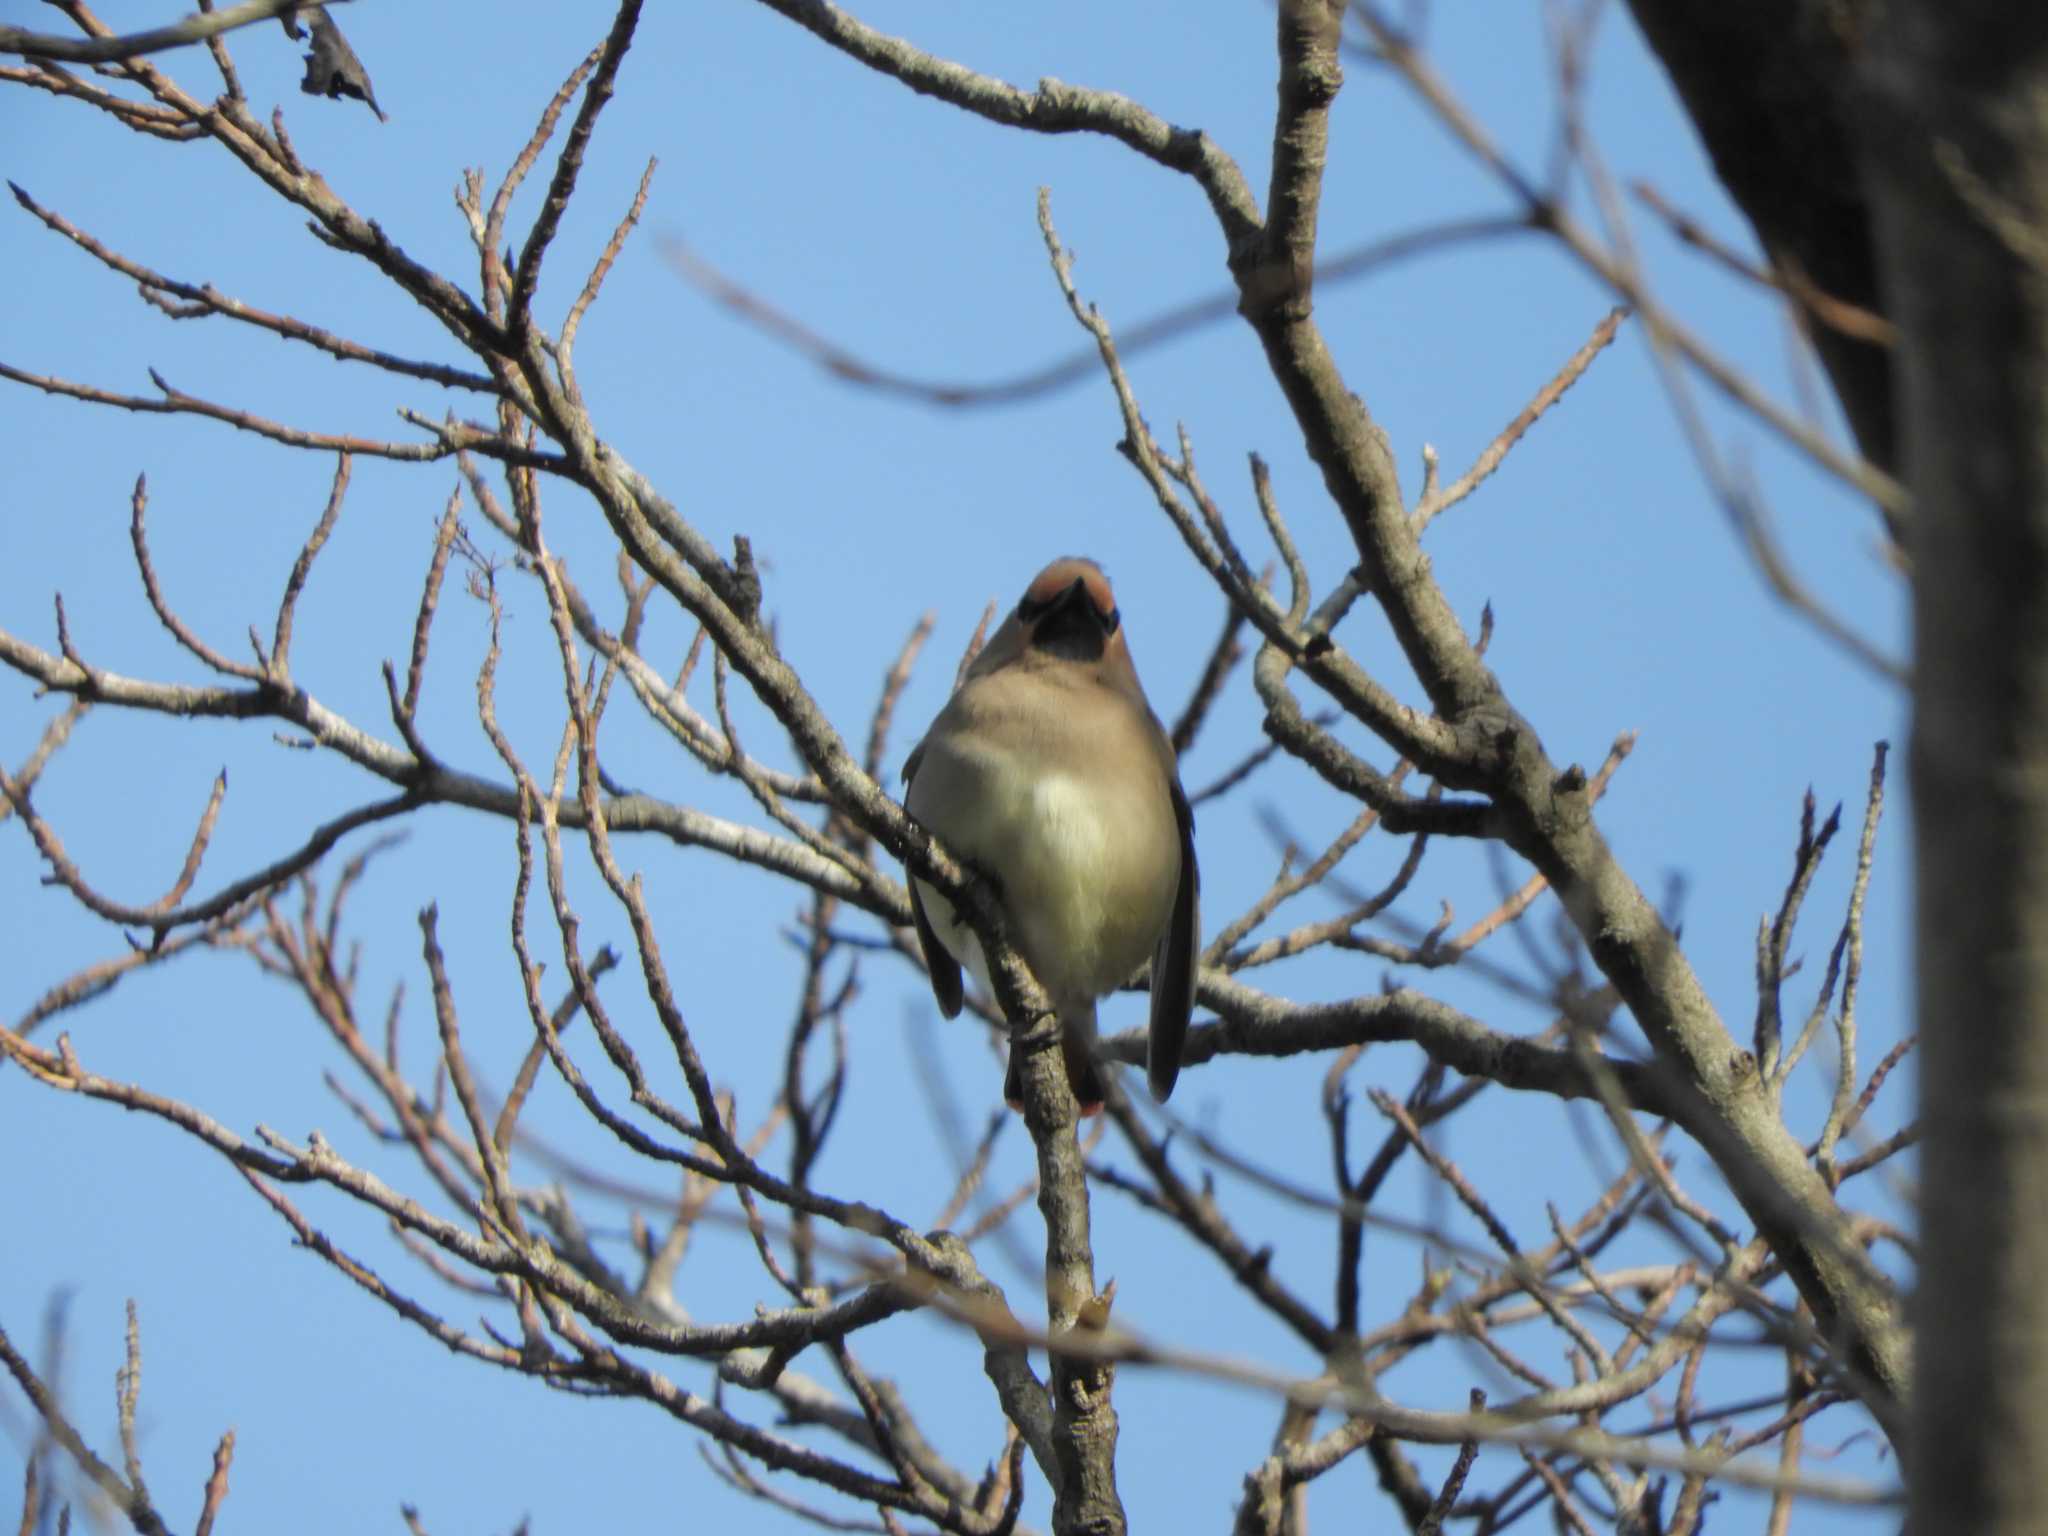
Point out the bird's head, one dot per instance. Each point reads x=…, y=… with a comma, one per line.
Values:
x=1068, y=611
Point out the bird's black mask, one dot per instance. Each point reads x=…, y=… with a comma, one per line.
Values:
x=1069, y=625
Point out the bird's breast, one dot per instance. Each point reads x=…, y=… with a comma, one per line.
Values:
x=1088, y=862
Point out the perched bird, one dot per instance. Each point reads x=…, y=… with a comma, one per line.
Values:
x=1049, y=773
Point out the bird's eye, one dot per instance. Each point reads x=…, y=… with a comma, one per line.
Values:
x=1027, y=609
x=1110, y=620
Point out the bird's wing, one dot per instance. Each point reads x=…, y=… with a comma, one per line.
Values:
x=938, y=960
x=1173, y=962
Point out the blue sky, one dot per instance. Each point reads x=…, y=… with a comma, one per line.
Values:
x=906, y=232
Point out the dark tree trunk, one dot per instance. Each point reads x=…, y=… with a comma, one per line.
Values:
x=1768, y=85
x=1956, y=129
x=1898, y=152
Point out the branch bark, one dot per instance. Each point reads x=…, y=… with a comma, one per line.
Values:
x=196, y=28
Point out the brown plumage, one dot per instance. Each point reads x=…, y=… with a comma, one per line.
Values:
x=1049, y=773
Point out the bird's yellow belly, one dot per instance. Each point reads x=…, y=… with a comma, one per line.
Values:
x=1083, y=880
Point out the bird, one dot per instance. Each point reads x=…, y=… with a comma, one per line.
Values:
x=1049, y=774
x=332, y=68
